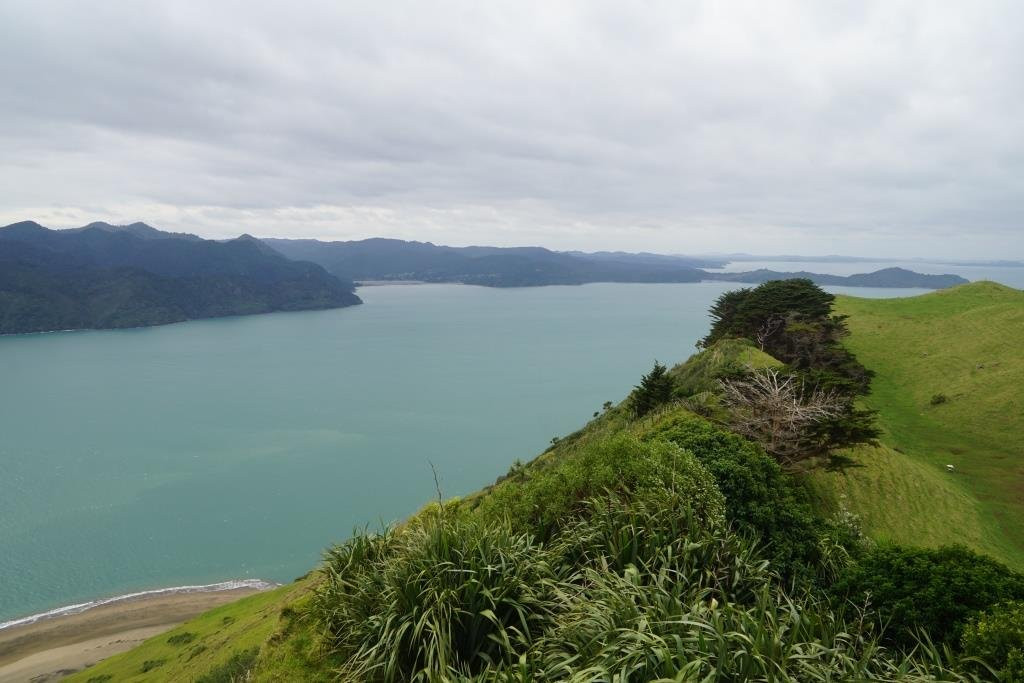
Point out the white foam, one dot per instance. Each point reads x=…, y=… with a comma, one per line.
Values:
x=234, y=584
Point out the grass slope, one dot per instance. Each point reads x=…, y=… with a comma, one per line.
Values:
x=963, y=343
x=202, y=649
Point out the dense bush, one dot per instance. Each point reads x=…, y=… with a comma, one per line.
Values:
x=447, y=595
x=631, y=628
x=549, y=496
x=759, y=497
x=934, y=590
x=997, y=638
x=655, y=533
x=634, y=589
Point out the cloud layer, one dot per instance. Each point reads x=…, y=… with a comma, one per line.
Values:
x=873, y=128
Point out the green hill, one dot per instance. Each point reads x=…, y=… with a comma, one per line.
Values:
x=104, y=276
x=666, y=546
x=949, y=388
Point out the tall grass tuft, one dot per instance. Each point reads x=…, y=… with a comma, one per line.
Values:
x=447, y=597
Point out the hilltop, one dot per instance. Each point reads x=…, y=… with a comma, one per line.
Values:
x=655, y=539
x=104, y=276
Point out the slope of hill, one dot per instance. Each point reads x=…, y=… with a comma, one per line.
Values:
x=390, y=259
x=920, y=348
x=949, y=388
x=104, y=276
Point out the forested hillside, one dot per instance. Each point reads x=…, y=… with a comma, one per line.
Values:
x=104, y=276
x=672, y=538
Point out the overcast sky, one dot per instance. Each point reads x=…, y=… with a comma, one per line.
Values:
x=869, y=128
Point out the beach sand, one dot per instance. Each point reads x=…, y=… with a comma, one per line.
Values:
x=53, y=648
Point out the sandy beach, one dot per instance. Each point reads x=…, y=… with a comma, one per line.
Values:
x=50, y=649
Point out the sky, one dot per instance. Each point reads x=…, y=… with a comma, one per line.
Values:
x=861, y=128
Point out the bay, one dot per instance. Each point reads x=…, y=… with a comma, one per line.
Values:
x=242, y=447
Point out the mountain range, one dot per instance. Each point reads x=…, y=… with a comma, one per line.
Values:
x=388, y=259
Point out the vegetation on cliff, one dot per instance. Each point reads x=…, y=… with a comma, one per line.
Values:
x=650, y=545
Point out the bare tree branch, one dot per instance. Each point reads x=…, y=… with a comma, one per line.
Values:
x=774, y=409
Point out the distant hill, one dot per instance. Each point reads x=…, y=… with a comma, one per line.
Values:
x=887, y=277
x=104, y=276
x=390, y=259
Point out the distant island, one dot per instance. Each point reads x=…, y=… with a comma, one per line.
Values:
x=105, y=276
x=380, y=260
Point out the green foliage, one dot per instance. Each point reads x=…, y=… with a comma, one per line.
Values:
x=548, y=497
x=938, y=399
x=635, y=628
x=151, y=664
x=997, y=638
x=183, y=638
x=636, y=589
x=450, y=595
x=748, y=312
x=934, y=590
x=759, y=497
x=725, y=359
x=655, y=389
x=792, y=320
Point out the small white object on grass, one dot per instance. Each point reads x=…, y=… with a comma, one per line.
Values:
x=950, y=468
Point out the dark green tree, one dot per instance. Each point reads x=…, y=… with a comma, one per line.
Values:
x=655, y=389
x=763, y=310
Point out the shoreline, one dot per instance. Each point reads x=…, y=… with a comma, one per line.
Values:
x=53, y=644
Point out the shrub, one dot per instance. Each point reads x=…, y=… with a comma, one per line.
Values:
x=938, y=399
x=655, y=533
x=997, y=638
x=655, y=389
x=151, y=664
x=551, y=496
x=759, y=497
x=934, y=590
x=448, y=595
x=181, y=638
x=234, y=669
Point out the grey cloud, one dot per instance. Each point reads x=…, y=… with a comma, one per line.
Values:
x=658, y=126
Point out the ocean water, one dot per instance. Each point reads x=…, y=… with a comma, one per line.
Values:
x=239, y=448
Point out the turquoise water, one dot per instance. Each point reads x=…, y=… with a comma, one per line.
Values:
x=241, y=447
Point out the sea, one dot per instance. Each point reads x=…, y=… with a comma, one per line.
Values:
x=212, y=452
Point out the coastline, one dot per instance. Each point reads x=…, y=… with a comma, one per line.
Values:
x=53, y=644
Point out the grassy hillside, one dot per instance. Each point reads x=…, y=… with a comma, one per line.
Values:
x=628, y=542
x=211, y=646
x=960, y=348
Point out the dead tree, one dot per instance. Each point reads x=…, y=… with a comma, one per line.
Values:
x=767, y=329
x=775, y=410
